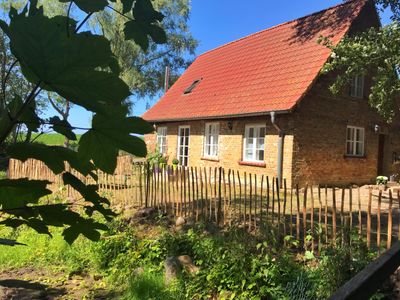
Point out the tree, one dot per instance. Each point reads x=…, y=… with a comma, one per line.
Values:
x=56, y=56
x=375, y=52
x=143, y=71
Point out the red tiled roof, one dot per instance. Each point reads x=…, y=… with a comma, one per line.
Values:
x=267, y=71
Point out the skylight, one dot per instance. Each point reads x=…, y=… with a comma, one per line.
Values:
x=192, y=86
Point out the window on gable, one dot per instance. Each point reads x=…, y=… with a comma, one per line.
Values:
x=254, y=143
x=192, y=86
x=162, y=140
x=211, y=138
x=355, y=142
x=357, y=87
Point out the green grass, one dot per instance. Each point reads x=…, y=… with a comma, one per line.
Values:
x=43, y=251
x=149, y=285
x=52, y=139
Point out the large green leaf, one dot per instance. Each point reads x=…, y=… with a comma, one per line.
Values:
x=17, y=193
x=145, y=12
x=63, y=127
x=86, y=227
x=73, y=65
x=89, y=6
x=139, y=32
x=126, y=5
x=89, y=192
x=110, y=134
x=58, y=215
x=28, y=117
x=146, y=23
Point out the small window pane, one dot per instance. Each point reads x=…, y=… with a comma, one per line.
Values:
x=254, y=143
x=355, y=141
x=211, y=139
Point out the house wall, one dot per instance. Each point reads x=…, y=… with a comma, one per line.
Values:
x=231, y=145
x=321, y=120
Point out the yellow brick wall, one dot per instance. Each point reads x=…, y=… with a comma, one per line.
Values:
x=231, y=145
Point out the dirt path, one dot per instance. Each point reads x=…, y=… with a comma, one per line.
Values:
x=34, y=284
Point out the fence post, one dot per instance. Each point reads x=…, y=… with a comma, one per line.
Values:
x=390, y=222
x=147, y=185
x=219, y=196
x=369, y=219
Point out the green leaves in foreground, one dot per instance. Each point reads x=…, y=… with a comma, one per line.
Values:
x=19, y=200
x=146, y=23
x=73, y=65
x=108, y=135
x=89, y=6
x=79, y=67
x=21, y=192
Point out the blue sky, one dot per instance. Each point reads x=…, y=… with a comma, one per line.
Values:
x=216, y=22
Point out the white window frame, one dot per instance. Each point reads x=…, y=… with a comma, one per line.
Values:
x=357, y=86
x=353, y=141
x=211, y=140
x=257, y=128
x=179, y=145
x=162, y=140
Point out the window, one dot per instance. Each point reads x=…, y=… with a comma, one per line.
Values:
x=254, y=143
x=183, y=145
x=162, y=139
x=355, y=141
x=357, y=87
x=192, y=86
x=211, y=138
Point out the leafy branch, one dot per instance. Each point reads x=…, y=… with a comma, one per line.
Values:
x=81, y=67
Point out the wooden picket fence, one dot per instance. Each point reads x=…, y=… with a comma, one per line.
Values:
x=311, y=215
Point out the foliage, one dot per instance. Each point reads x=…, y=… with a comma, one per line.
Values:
x=54, y=55
x=142, y=71
x=382, y=180
x=338, y=265
x=156, y=158
x=375, y=53
x=232, y=265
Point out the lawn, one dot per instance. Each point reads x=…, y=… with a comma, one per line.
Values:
x=53, y=139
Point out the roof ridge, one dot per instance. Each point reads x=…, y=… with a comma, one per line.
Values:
x=279, y=25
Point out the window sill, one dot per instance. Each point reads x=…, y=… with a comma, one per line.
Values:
x=253, y=164
x=354, y=156
x=215, y=159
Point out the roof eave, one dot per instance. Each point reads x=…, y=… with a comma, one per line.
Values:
x=256, y=114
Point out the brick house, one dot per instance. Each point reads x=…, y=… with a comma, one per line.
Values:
x=260, y=105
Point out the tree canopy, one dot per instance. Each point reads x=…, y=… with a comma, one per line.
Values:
x=58, y=54
x=376, y=53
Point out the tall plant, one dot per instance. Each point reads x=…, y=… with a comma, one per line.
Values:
x=56, y=55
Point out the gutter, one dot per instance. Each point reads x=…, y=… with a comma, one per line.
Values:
x=281, y=143
x=257, y=114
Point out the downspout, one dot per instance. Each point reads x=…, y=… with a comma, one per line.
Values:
x=281, y=141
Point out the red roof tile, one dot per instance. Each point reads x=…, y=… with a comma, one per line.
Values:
x=267, y=71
